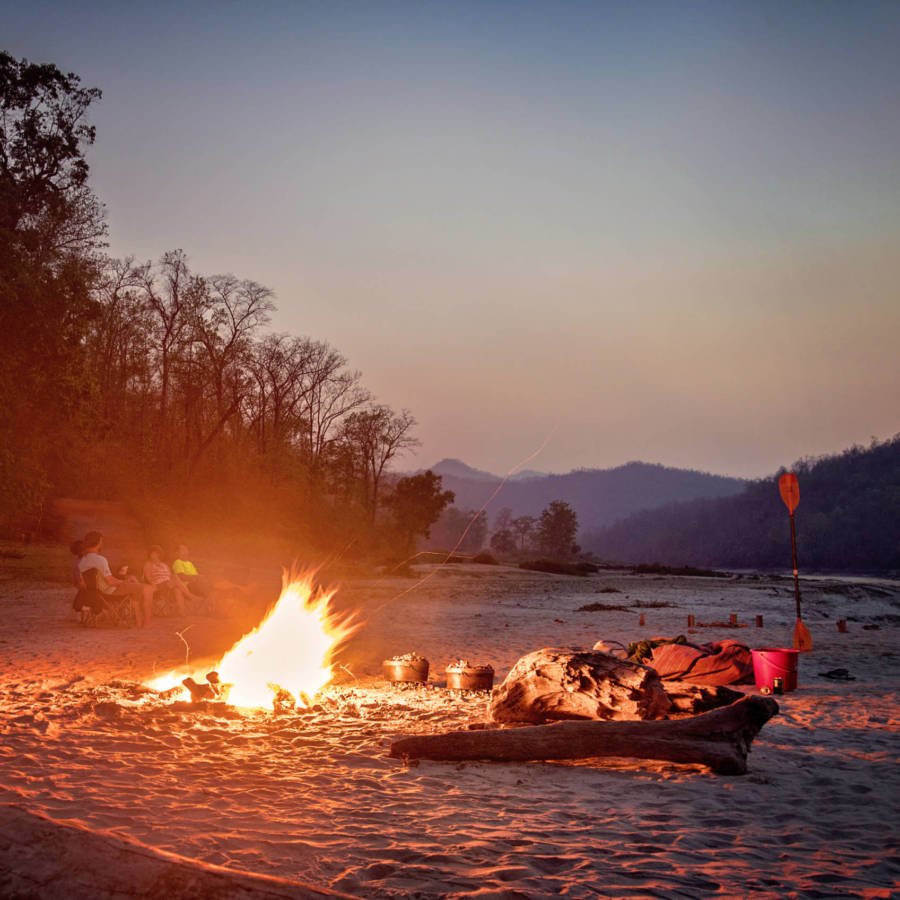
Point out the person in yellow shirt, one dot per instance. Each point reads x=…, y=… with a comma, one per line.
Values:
x=186, y=572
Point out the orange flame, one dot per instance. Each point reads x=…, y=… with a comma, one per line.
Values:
x=292, y=648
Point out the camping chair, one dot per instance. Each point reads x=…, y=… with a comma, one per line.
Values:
x=199, y=604
x=97, y=607
x=165, y=603
x=87, y=601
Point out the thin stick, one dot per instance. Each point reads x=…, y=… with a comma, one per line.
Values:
x=187, y=646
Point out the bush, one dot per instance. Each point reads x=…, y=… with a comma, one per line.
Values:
x=602, y=607
x=485, y=559
x=554, y=567
x=657, y=569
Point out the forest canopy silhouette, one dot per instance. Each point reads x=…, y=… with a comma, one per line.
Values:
x=152, y=382
x=848, y=520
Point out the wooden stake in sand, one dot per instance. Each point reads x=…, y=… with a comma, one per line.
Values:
x=719, y=739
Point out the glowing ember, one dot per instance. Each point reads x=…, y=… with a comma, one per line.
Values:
x=291, y=649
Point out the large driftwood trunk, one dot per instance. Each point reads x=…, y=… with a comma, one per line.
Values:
x=553, y=684
x=691, y=699
x=719, y=739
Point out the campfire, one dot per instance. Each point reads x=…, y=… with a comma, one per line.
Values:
x=288, y=655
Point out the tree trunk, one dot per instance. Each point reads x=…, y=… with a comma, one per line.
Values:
x=719, y=739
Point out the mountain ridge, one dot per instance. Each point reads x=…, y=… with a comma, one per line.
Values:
x=600, y=497
x=847, y=520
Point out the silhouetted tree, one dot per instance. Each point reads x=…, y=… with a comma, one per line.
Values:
x=522, y=528
x=557, y=529
x=474, y=534
x=416, y=503
x=503, y=542
x=503, y=519
x=51, y=228
x=375, y=436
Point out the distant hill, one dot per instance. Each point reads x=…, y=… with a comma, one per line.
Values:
x=456, y=468
x=600, y=497
x=848, y=520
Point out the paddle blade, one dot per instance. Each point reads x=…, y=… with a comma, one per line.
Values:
x=789, y=488
x=802, y=637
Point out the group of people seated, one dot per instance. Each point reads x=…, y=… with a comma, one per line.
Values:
x=183, y=582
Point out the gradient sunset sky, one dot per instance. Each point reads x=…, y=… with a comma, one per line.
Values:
x=669, y=231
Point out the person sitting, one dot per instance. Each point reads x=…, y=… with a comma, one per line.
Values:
x=82, y=599
x=157, y=574
x=77, y=550
x=186, y=572
x=140, y=595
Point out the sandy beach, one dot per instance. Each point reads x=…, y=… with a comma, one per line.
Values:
x=313, y=797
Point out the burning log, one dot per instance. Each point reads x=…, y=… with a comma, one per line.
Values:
x=212, y=690
x=719, y=739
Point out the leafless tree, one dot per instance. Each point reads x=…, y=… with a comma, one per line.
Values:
x=374, y=437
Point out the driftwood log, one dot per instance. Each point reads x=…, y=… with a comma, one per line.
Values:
x=719, y=739
x=554, y=684
x=691, y=699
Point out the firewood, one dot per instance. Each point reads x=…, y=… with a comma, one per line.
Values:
x=719, y=739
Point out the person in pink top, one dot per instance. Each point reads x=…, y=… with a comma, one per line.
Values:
x=158, y=574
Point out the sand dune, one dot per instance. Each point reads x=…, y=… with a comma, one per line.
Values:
x=312, y=797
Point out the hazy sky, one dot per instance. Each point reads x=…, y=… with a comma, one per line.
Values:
x=671, y=231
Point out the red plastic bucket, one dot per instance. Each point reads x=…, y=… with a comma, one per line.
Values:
x=770, y=663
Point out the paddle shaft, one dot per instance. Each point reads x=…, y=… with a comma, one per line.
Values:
x=794, y=560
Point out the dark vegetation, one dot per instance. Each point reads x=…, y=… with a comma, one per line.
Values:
x=685, y=571
x=485, y=559
x=556, y=567
x=463, y=529
x=552, y=535
x=603, y=607
x=157, y=384
x=598, y=606
x=848, y=520
x=654, y=604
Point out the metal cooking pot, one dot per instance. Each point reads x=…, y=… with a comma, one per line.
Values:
x=463, y=677
x=405, y=669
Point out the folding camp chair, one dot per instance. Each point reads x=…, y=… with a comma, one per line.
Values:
x=97, y=607
x=165, y=603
